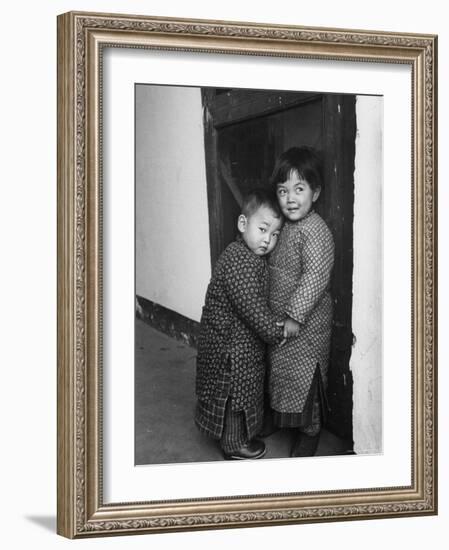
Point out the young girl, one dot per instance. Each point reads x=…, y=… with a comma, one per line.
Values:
x=300, y=269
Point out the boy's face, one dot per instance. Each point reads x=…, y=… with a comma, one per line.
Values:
x=260, y=230
x=296, y=197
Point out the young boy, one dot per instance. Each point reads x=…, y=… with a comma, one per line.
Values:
x=235, y=325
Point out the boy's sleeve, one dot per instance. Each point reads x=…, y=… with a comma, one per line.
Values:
x=318, y=260
x=245, y=289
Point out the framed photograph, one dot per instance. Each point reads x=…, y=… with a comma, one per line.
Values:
x=246, y=274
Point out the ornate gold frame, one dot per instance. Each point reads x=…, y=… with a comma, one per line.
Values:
x=81, y=37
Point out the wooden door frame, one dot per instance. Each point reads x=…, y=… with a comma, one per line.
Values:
x=338, y=143
x=246, y=105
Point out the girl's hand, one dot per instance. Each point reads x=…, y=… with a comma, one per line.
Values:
x=291, y=328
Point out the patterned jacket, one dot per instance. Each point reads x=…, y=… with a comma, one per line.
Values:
x=235, y=325
x=300, y=269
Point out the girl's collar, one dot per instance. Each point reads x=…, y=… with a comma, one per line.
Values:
x=302, y=219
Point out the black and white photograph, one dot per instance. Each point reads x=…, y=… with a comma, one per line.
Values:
x=258, y=274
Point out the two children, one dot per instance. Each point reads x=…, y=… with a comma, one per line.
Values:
x=237, y=322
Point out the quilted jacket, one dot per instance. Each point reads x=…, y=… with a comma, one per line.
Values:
x=236, y=324
x=300, y=270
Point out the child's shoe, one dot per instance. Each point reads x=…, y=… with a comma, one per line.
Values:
x=253, y=449
x=305, y=445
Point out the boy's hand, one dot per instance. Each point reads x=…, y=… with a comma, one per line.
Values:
x=291, y=328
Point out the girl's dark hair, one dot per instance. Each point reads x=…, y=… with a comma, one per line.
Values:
x=261, y=196
x=305, y=160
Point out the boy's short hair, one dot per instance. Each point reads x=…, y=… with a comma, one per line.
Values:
x=258, y=197
x=305, y=160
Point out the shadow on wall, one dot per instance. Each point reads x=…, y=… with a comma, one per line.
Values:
x=46, y=522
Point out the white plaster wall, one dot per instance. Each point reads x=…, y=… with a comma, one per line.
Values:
x=172, y=225
x=366, y=359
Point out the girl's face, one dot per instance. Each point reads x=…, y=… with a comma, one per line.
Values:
x=296, y=197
